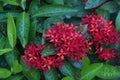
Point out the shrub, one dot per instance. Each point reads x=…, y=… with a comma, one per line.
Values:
x=59, y=39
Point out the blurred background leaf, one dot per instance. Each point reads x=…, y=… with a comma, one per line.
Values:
x=4, y=73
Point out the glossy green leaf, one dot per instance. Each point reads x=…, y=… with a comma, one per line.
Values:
x=110, y=6
x=85, y=61
x=93, y=3
x=11, y=31
x=23, y=4
x=104, y=13
x=30, y=74
x=68, y=78
x=90, y=71
x=16, y=68
x=23, y=25
x=4, y=73
x=12, y=2
x=2, y=42
x=48, y=52
x=34, y=6
x=16, y=77
x=11, y=57
x=53, y=10
x=108, y=72
x=117, y=22
x=51, y=75
x=67, y=70
x=3, y=51
x=32, y=31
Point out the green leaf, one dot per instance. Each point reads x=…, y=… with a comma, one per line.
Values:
x=32, y=31
x=12, y=2
x=93, y=3
x=30, y=74
x=23, y=25
x=104, y=13
x=55, y=1
x=16, y=77
x=72, y=1
x=48, y=52
x=23, y=4
x=11, y=31
x=84, y=28
x=110, y=6
x=85, y=61
x=67, y=70
x=16, y=68
x=117, y=22
x=89, y=72
x=4, y=73
x=2, y=42
x=3, y=51
x=11, y=57
x=53, y=10
x=68, y=78
x=81, y=11
x=1, y=7
x=34, y=6
x=3, y=15
x=108, y=72
x=51, y=75
x=58, y=1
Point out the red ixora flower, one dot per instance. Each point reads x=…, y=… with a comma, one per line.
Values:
x=32, y=57
x=100, y=29
x=68, y=41
x=107, y=54
x=102, y=32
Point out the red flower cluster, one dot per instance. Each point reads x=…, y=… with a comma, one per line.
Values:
x=107, y=54
x=69, y=42
x=33, y=58
x=102, y=32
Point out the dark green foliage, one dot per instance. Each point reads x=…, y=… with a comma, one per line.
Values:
x=25, y=21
